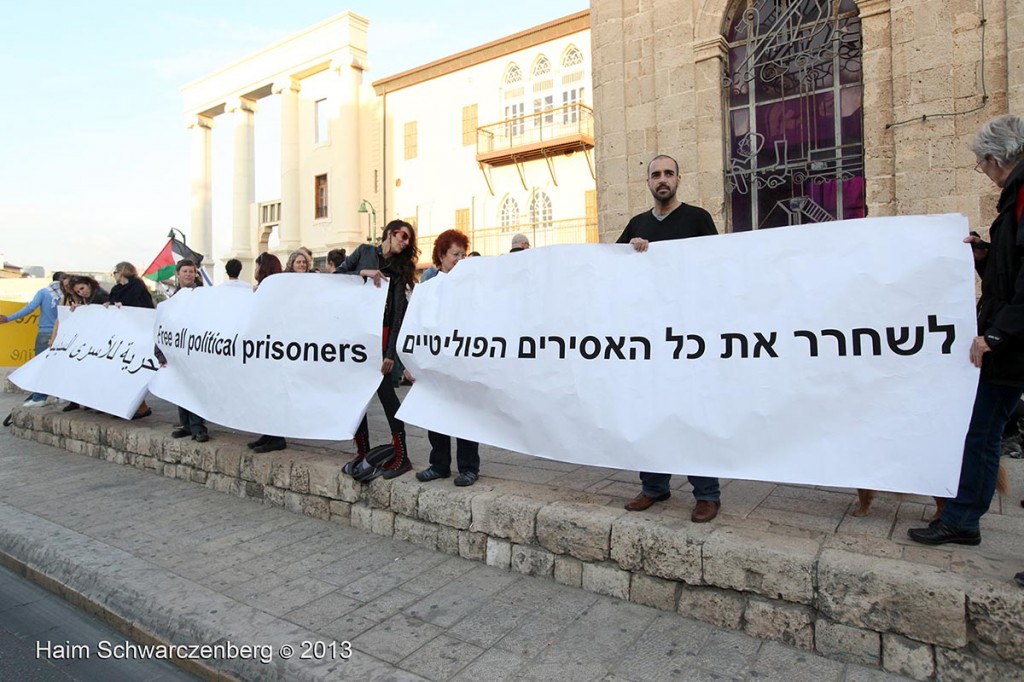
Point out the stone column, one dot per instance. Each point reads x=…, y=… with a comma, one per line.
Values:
x=243, y=189
x=609, y=79
x=201, y=184
x=712, y=130
x=289, y=230
x=1015, y=56
x=344, y=182
x=877, y=67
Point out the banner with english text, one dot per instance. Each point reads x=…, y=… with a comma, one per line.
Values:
x=832, y=354
x=101, y=358
x=301, y=357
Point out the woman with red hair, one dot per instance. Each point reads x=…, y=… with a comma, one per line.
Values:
x=267, y=264
x=449, y=248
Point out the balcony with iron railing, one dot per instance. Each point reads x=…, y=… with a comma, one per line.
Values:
x=557, y=130
x=493, y=241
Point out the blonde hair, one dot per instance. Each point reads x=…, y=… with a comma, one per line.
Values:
x=125, y=269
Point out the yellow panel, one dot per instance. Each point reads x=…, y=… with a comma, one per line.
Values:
x=18, y=338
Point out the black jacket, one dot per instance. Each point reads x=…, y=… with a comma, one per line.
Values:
x=369, y=257
x=1001, y=307
x=132, y=294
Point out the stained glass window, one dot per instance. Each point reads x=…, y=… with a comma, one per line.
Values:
x=795, y=95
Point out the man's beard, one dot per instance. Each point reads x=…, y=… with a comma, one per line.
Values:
x=663, y=194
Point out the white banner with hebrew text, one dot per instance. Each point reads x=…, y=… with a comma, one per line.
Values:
x=830, y=354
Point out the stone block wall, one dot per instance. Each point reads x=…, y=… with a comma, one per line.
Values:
x=658, y=68
x=908, y=618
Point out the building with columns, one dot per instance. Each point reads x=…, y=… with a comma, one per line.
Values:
x=795, y=111
x=317, y=75
x=494, y=140
x=779, y=111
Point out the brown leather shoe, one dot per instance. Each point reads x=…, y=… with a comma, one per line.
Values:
x=642, y=502
x=705, y=511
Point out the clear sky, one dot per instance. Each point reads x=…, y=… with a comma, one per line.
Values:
x=94, y=149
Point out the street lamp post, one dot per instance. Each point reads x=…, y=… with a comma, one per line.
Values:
x=366, y=207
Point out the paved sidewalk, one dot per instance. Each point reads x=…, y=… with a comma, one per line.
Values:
x=191, y=565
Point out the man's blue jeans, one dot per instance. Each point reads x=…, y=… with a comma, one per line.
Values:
x=42, y=343
x=993, y=405
x=704, y=487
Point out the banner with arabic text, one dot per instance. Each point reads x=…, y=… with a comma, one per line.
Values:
x=833, y=354
x=101, y=358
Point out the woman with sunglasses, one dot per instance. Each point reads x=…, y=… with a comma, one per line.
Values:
x=394, y=263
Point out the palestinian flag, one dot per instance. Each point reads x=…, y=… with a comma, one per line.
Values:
x=162, y=267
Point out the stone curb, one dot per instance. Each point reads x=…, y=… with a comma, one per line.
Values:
x=905, y=617
x=119, y=588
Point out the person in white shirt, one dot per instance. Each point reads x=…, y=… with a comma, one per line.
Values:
x=233, y=268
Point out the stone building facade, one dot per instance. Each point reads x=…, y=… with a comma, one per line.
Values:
x=930, y=72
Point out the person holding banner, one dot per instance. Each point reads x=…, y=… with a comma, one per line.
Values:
x=69, y=299
x=270, y=264
x=670, y=219
x=46, y=301
x=190, y=424
x=130, y=291
x=393, y=262
x=999, y=347
x=449, y=248
x=79, y=290
x=87, y=290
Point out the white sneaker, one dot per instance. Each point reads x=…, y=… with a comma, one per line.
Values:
x=33, y=403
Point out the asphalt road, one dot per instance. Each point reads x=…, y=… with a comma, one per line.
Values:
x=32, y=619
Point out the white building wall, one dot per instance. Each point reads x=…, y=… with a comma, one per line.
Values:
x=445, y=177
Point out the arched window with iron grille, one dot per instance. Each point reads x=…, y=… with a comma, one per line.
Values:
x=509, y=215
x=540, y=210
x=793, y=86
x=513, y=96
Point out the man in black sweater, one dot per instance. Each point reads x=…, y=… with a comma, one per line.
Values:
x=670, y=219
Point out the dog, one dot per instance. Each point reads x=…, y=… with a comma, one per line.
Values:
x=866, y=497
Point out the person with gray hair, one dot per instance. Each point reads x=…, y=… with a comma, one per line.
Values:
x=998, y=349
x=299, y=262
x=520, y=242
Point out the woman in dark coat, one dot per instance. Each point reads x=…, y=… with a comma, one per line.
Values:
x=394, y=264
x=130, y=291
x=998, y=349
